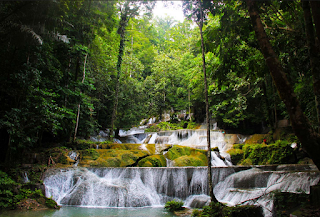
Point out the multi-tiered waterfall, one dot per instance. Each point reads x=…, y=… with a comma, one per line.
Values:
x=140, y=187
x=191, y=138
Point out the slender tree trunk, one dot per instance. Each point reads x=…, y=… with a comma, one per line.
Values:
x=122, y=32
x=266, y=102
x=301, y=126
x=8, y=154
x=315, y=6
x=209, y=174
x=116, y=97
x=78, y=113
x=314, y=55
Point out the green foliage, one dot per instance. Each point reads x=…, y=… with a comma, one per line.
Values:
x=196, y=213
x=174, y=205
x=164, y=126
x=51, y=203
x=285, y=202
x=236, y=155
x=12, y=193
x=7, y=185
x=218, y=210
x=213, y=210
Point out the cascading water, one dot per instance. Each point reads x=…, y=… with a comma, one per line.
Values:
x=139, y=187
x=195, y=139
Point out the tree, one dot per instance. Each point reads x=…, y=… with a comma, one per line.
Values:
x=196, y=12
x=302, y=128
x=128, y=10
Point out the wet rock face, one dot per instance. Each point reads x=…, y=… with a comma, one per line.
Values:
x=199, y=201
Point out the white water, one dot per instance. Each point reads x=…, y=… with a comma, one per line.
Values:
x=25, y=177
x=194, y=139
x=139, y=187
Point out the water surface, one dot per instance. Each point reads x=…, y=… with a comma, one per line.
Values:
x=70, y=211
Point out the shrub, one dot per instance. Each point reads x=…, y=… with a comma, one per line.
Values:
x=196, y=213
x=51, y=203
x=174, y=205
x=7, y=185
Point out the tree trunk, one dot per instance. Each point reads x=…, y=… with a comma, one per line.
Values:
x=78, y=113
x=209, y=174
x=314, y=56
x=122, y=32
x=302, y=128
x=315, y=6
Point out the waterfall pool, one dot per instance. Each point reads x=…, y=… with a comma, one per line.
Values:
x=72, y=211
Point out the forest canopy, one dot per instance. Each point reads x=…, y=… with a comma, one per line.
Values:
x=71, y=68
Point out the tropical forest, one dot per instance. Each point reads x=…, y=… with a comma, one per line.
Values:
x=159, y=108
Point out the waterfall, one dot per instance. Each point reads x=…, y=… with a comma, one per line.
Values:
x=195, y=139
x=25, y=177
x=139, y=187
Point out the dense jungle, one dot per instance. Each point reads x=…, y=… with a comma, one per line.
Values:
x=73, y=70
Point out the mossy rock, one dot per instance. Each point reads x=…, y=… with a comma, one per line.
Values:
x=178, y=151
x=90, y=153
x=240, y=211
x=112, y=158
x=256, y=138
x=186, y=156
x=192, y=160
x=236, y=155
x=153, y=161
x=261, y=154
x=151, y=148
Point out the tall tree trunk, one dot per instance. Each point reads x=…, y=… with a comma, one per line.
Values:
x=314, y=55
x=78, y=113
x=315, y=6
x=122, y=32
x=209, y=174
x=301, y=126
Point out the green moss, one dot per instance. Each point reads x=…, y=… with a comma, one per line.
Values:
x=177, y=151
x=236, y=155
x=261, y=154
x=186, y=156
x=151, y=148
x=256, y=138
x=90, y=153
x=112, y=158
x=189, y=161
x=153, y=161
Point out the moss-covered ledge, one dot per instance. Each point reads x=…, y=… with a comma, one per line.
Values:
x=186, y=156
x=110, y=157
